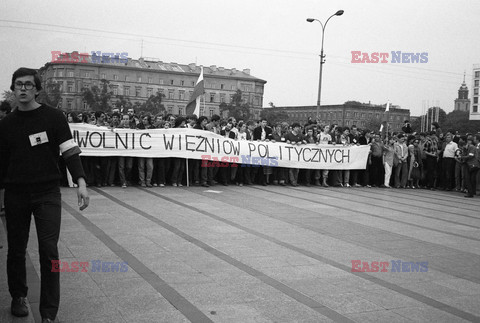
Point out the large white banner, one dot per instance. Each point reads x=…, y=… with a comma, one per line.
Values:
x=199, y=144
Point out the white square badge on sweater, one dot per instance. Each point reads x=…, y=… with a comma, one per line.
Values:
x=38, y=138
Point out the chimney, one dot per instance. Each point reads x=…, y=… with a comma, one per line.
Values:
x=234, y=70
x=246, y=71
x=192, y=66
x=213, y=68
x=221, y=69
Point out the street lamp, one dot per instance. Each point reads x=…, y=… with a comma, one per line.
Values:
x=338, y=13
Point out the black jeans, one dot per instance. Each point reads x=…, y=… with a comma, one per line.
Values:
x=471, y=180
x=45, y=204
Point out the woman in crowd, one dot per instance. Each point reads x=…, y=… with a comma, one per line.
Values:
x=178, y=163
x=145, y=162
x=388, y=159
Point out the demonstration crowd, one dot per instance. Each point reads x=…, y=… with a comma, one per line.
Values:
x=433, y=160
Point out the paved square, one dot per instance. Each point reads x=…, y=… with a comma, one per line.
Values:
x=263, y=254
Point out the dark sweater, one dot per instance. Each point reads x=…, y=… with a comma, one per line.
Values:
x=30, y=147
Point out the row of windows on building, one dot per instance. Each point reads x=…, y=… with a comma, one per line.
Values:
x=169, y=109
x=338, y=114
x=160, y=81
x=476, y=84
x=171, y=94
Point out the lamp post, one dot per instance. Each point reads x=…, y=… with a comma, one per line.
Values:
x=338, y=13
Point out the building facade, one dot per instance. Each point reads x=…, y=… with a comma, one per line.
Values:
x=474, y=112
x=137, y=80
x=462, y=103
x=349, y=114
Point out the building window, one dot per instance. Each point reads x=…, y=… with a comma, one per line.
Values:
x=222, y=97
x=150, y=80
x=212, y=97
x=160, y=82
x=149, y=93
x=233, y=87
x=171, y=82
x=85, y=105
x=377, y=115
x=477, y=74
x=70, y=87
x=180, y=111
x=126, y=78
x=139, y=79
x=181, y=95
x=171, y=94
x=182, y=83
x=348, y=114
x=103, y=76
x=87, y=74
x=115, y=90
x=127, y=91
x=169, y=110
x=193, y=83
x=211, y=112
x=137, y=91
x=222, y=86
x=115, y=77
x=69, y=104
x=59, y=73
x=475, y=99
x=475, y=91
x=70, y=73
x=476, y=82
x=201, y=112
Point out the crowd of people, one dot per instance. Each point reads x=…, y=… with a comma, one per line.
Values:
x=430, y=160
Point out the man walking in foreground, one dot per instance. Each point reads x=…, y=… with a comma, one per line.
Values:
x=31, y=140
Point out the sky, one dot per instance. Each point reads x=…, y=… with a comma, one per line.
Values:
x=270, y=37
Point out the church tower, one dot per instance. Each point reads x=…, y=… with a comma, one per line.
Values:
x=462, y=103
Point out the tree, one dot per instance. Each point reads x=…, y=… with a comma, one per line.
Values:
x=237, y=108
x=459, y=121
x=8, y=96
x=373, y=124
x=51, y=94
x=98, y=98
x=123, y=103
x=274, y=116
x=154, y=104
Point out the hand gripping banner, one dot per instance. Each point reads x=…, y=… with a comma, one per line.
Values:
x=204, y=145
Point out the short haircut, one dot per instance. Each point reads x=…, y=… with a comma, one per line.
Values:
x=192, y=117
x=179, y=120
x=215, y=117
x=98, y=114
x=295, y=124
x=116, y=114
x=201, y=118
x=23, y=71
x=250, y=123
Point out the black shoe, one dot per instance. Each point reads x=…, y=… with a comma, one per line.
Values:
x=19, y=306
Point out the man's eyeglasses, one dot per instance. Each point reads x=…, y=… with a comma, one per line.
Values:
x=27, y=85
